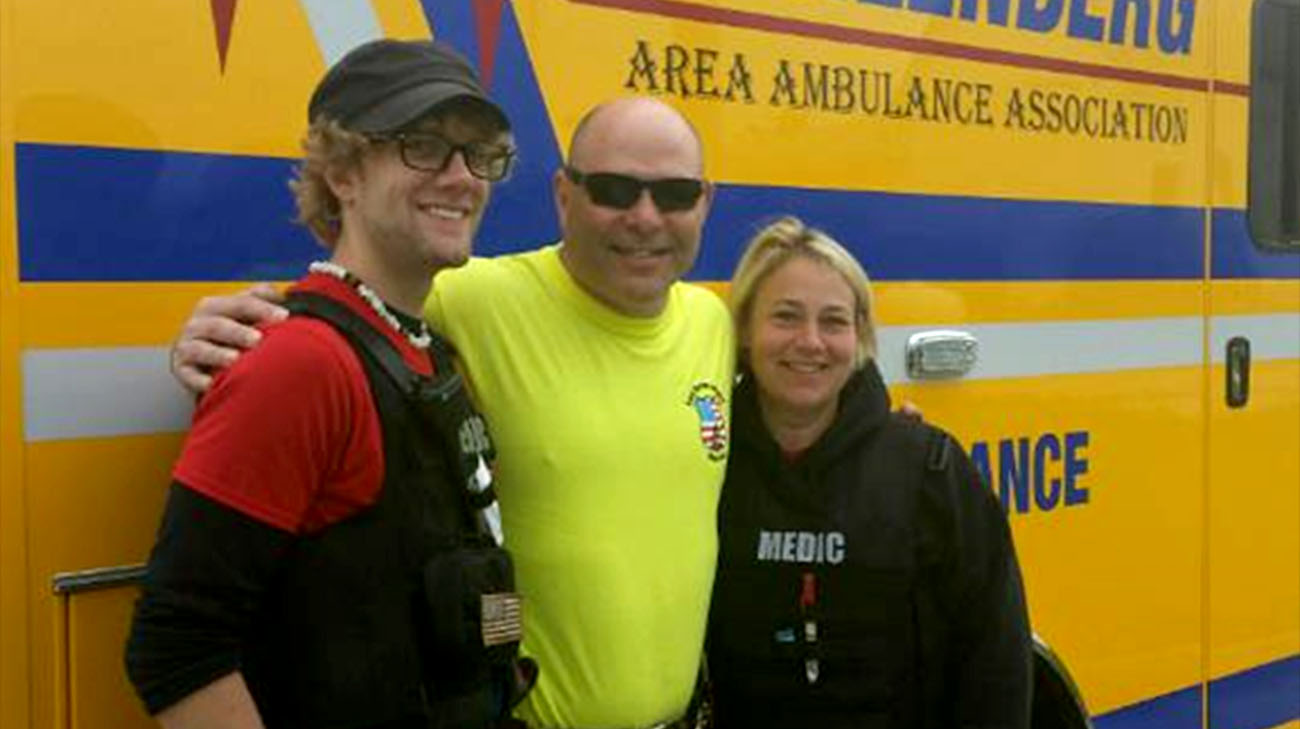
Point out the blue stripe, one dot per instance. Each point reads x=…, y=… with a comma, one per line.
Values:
x=96, y=214
x=1261, y=697
x=453, y=23
x=1257, y=698
x=940, y=238
x=1178, y=710
x=104, y=214
x=1234, y=255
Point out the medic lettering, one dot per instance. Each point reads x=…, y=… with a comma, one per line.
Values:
x=801, y=547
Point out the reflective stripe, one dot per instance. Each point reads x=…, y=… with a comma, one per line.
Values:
x=341, y=25
x=1060, y=347
x=1034, y=349
x=1272, y=336
x=88, y=393
x=85, y=393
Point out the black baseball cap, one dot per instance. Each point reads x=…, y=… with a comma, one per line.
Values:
x=384, y=85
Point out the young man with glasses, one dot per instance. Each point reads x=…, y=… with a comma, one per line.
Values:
x=321, y=560
x=607, y=384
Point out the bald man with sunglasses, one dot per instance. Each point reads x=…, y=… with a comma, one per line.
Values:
x=607, y=384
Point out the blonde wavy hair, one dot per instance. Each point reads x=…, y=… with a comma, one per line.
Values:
x=778, y=244
x=327, y=148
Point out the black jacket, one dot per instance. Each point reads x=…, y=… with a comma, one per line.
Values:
x=871, y=583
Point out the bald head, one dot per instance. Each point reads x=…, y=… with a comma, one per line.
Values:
x=634, y=120
x=628, y=251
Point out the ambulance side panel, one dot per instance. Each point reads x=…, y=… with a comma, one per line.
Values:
x=1064, y=180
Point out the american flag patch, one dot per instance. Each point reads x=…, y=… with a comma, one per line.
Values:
x=711, y=409
x=502, y=615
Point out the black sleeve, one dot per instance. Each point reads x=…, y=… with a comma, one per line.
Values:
x=991, y=648
x=206, y=576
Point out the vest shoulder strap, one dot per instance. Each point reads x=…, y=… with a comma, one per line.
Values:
x=363, y=335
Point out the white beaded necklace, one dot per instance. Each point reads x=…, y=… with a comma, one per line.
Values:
x=422, y=340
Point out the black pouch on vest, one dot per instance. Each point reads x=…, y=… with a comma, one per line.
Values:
x=474, y=614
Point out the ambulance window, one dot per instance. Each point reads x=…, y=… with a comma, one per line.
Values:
x=1274, y=181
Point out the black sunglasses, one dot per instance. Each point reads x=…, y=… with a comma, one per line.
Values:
x=430, y=152
x=612, y=190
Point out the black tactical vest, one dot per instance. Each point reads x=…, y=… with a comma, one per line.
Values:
x=355, y=634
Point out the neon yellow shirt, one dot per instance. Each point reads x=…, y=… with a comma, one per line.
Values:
x=612, y=434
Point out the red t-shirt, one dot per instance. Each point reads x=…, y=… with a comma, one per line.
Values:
x=289, y=435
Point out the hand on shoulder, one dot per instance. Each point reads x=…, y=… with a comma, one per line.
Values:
x=219, y=330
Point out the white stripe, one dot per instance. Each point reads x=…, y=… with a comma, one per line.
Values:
x=1030, y=349
x=82, y=393
x=1025, y=349
x=88, y=393
x=341, y=25
x=1272, y=336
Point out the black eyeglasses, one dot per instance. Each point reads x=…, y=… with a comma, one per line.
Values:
x=612, y=190
x=430, y=152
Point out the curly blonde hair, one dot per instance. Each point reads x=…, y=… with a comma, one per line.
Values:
x=327, y=149
x=781, y=242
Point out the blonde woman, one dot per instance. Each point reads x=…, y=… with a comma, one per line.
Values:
x=866, y=574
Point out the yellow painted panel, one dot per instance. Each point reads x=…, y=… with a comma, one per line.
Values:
x=924, y=303
x=1254, y=521
x=104, y=496
x=150, y=76
x=401, y=18
x=92, y=503
x=1231, y=135
x=162, y=86
x=57, y=703
x=101, y=697
x=913, y=303
x=15, y=682
x=109, y=314
x=47, y=634
x=1232, y=40
x=1115, y=583
x=718, y=287
x=826, y=149
x=1259, y=296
